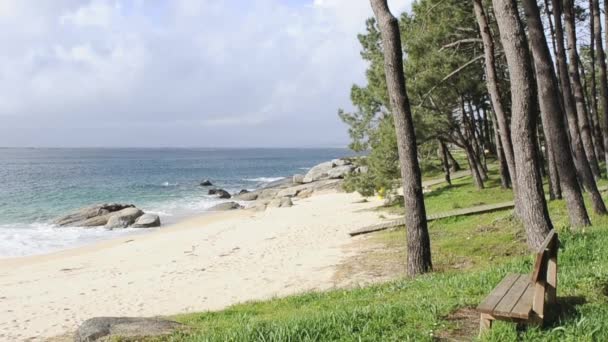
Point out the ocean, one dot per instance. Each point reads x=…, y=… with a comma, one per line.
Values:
x=37, y=185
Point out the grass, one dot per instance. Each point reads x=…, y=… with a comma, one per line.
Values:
x=471, y=255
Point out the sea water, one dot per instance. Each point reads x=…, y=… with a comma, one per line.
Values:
x=38, y=185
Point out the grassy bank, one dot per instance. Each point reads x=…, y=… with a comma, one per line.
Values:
x=471, y=255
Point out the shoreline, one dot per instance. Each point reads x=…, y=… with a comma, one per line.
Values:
x=203, y=263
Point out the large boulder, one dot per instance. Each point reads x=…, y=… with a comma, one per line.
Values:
x=147, y=221
x=290, y=192
x=339, y=172
x=119, y=328
x=340, y=162
x=123, y=218
x=223, y=194
x=318, y=172
x=247, y=196
x=92, y=216
x=226, y=206
x=268, y=193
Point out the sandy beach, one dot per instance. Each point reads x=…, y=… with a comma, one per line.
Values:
x=204, y=263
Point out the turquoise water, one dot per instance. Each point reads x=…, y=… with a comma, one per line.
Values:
x=38, y=185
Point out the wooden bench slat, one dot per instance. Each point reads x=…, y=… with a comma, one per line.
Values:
x=488, y=305
x=509, y=301
x=523, y=308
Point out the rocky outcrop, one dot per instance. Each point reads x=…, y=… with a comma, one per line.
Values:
x=226, y=206
x=283, y=202
x=147, y=221
x=91, y=216
x=318, y=172
x=335, y=169
x=206, y=182
x=119, y=328
x=123, y=218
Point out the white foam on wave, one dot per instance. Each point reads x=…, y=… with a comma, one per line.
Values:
x=40, y=238
x=167, y=184
x=264, y=179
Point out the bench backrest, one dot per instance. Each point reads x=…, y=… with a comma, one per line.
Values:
x=544, y=273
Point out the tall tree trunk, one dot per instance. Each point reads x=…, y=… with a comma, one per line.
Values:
x=594, y=116
x=444, y=161
x=577, y=88
x=418, y=240
x=580, y=159
x=553, y=117
x=494, y=90
x=533, y=206
x=591, y=101
x=603, y=79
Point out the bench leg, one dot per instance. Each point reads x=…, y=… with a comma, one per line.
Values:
x=485, y=322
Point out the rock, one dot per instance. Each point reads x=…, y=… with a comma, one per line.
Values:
x=259, y=206
x=289, y=192
x=147, y=221
x=123, y=218
x=118, y=328
x=226, y=206
x=283, y=202
x=206, y=182
x=244, y=191
x=362, y=169
x=339, y=172
x=305, y=193
x=318, y=172
x=223, y=194
x=298, y=179
x=268, y=193
x=92, y=216
x=341, y=162
x=248, y=196
x=220, y=192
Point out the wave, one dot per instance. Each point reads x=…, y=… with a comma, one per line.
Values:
x=264, y=179
x=166, y=184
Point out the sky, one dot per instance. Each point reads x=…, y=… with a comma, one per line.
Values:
x=179, y=73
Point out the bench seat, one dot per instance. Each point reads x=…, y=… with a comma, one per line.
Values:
x=511, y=299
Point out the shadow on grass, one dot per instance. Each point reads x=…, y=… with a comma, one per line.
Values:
x=566, y=309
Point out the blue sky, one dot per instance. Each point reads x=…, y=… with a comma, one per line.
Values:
x=150, y=73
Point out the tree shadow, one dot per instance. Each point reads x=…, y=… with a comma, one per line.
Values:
x=567, y=308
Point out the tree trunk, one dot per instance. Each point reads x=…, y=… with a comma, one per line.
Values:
x=445, y=162
x=454, y=166
x=577, y=88
x=553, y=117
x=596, y=131
x=603, y=79
x=533, y=206
x=580, y=159
x=418, y=240
x=494, y=90
x=505, y=179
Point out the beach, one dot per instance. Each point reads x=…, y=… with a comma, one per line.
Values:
x=204, y=263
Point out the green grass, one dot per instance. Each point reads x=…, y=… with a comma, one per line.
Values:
x=471, y=255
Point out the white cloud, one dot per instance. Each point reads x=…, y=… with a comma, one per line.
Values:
x=271, y=73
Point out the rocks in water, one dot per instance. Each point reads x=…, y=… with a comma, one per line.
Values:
x=244, y=191
x=247, y=196
x=226, y=206
x=298, y=179
x=92, y=216
x=318, y=172
x=206, y=182
x=123, y=218
x=221, y=193
x=283, y=202
x=118, y=328
x=147, y=221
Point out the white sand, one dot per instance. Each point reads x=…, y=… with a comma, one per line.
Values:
x=205, y=263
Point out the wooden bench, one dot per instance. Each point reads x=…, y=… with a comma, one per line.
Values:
x=520, y=298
